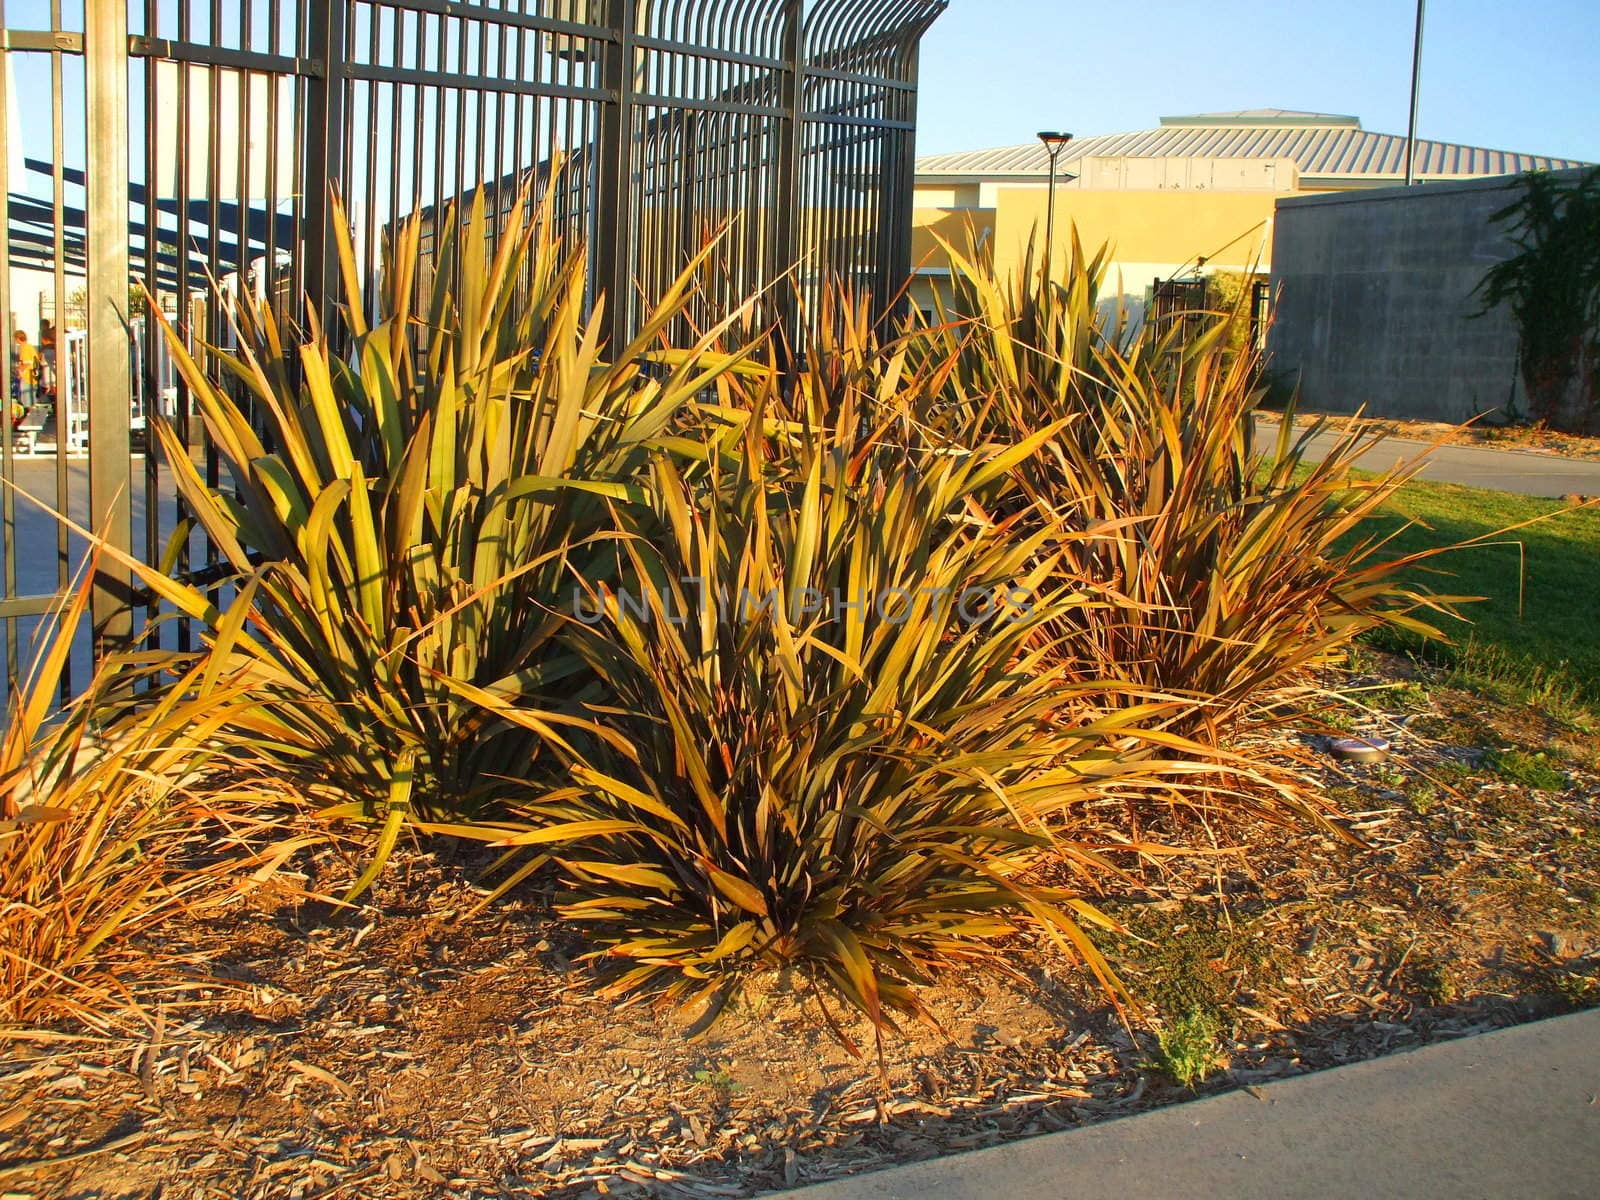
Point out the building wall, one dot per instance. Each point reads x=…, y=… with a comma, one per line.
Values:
x=960, y=227
x=1375, y=306
x=1152, y=234
x=1232, y=229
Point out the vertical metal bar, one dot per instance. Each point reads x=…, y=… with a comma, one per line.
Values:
x=269, y=202
x=150, y=335
x=501, y=173
x=523, y=103
x=58, y=220
x=247, y=138
x=303, y=175
x=346, y=179
x=615, y=191
x=8, y=502
x=441, y=210
x=419, y=106
x=185, y=305
x=397, y=149
x=324, y=151
x=905, y=184
x=371, y=245
x=460, y=185
x=105, y=48
x=216, y=322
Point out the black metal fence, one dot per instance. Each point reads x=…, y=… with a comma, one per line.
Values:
x=1260, y=314
x=1179, y=303
x=209, y=135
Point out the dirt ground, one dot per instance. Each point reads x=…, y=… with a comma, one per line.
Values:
x=401, y=1052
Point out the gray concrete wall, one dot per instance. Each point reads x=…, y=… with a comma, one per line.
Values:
x=1375, y=300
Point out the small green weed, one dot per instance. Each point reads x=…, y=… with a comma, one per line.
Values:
x=1342, y=719
x=1345, y=798
x=1435, y=982
x=1457, y=772
x=1579, y=991
x=1411, y=695
x=1391, y=778
x=1191, y=960
x=1187, y=1049
x=1456, y=729
x=1531, y=770
x=718, y=1081
x=1508, y=805
x=1585, y=753
x=1421, y=796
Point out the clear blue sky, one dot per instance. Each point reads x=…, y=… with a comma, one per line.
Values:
x=1505, y=74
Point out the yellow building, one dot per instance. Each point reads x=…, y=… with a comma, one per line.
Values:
x=1194, y=196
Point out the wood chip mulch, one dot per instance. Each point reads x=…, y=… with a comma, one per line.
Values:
x=402, y=1052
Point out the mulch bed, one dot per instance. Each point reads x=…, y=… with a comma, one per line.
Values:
x=401, y=1052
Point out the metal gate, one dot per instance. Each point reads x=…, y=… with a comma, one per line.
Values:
x=158, y=149
x=1260, y=314
x=1178, y=304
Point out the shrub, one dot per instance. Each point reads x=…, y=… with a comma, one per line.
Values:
x=105, y=829
x=852, y=791
x=1239, y=567
x=402, y=521
x=808, y=672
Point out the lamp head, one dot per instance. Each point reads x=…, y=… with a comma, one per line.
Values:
x=1054, y=140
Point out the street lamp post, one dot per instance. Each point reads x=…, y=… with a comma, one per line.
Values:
x=1416, y=85
x=1054, y=144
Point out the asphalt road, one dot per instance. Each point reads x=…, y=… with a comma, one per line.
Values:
x=1526, y=472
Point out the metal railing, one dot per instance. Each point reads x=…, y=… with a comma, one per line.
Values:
x=211, y=136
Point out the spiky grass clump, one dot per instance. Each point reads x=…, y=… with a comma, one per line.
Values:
x=1241, y=567
x=106, y=829
x=401, y=526
x=842, y=745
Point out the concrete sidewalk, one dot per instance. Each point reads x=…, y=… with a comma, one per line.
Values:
x=1502, y=1116
x=1527, y=472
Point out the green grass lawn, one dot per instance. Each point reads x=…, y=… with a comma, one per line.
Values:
x=1538, y=629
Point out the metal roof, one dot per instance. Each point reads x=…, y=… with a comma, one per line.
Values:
x=1264, y=116
x=1326, y=147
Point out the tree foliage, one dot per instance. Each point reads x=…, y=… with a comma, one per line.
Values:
x=1552, y=287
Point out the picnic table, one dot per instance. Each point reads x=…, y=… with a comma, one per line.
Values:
x=27, y=429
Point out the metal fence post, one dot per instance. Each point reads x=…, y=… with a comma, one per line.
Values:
x=791, y=144
x=324, y=152
x=900, y=189
x=616, y=199
x=110, y=360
